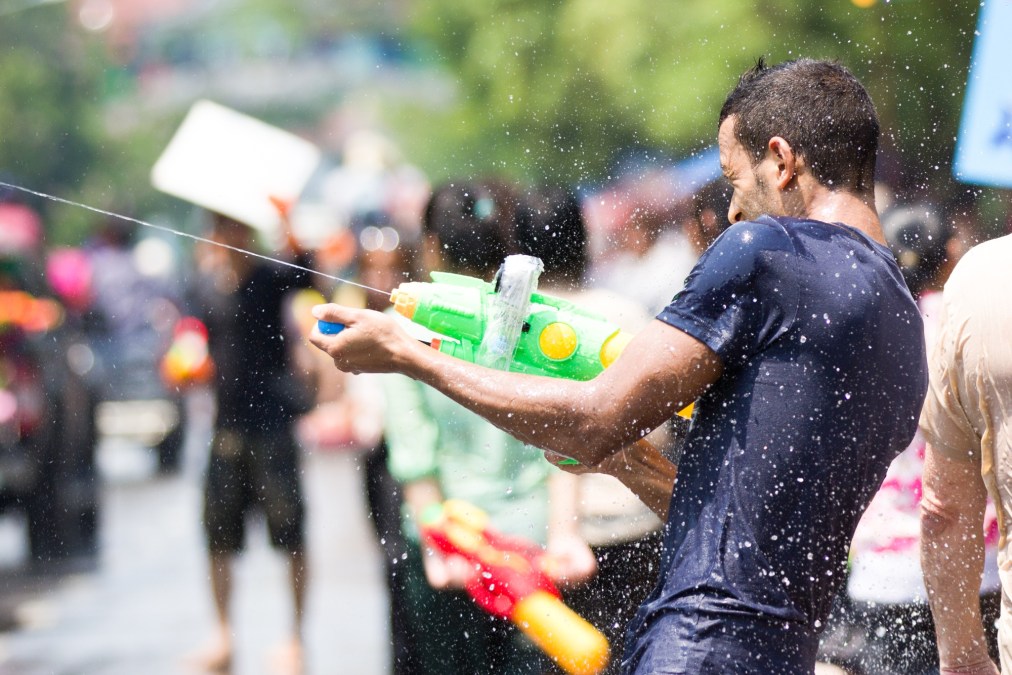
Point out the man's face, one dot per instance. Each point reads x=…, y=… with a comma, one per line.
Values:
x=752, y=195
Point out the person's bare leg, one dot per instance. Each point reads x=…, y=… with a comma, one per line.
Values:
x=217, y=657
x=297, y=575
x=289, y=657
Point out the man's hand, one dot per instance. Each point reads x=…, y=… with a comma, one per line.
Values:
x=371, y=342
x=639, y=466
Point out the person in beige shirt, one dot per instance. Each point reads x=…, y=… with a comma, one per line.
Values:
x=967, y=422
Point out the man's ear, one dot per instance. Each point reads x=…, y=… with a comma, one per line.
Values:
x=786, y=161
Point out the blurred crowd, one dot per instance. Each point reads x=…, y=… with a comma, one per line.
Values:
x=126, y=325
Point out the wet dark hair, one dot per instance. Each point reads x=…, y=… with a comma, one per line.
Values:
x=550, y=226
x=918, y=237
x=818, y=107
x=473, y=221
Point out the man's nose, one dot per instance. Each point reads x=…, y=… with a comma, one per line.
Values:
x=734, y=214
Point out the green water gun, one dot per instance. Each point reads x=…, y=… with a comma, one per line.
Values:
x=506, y=325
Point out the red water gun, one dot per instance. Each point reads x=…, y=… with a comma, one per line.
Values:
x=510, y=582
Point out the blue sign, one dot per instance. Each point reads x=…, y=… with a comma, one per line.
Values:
x=984, y=144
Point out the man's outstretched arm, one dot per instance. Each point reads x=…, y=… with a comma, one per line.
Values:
x=661, y=371
x=952, y=556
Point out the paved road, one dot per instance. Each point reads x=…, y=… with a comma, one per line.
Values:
x=146, y=606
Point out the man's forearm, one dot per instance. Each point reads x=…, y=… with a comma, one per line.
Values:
x=952, y=557
x=660, y=372
x=952, y=562
x=548, y=413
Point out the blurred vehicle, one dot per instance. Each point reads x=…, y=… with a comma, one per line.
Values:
x=47, y=429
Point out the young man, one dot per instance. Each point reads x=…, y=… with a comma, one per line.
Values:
x=254, y=460
x=803, y=349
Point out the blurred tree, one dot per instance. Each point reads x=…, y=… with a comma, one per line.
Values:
x=560, y=88
x=52, y=133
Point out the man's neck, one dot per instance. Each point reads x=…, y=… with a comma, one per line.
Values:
x=843, y=206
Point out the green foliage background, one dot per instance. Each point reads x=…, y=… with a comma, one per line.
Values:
x=545, y=89
x=555, y=89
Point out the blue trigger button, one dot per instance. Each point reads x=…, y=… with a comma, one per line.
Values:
x=328, y=328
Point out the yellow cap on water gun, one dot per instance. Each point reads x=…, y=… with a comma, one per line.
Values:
x=558, y=341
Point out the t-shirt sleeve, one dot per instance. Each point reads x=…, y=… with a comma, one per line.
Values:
x=944, y=421
x=742, y=293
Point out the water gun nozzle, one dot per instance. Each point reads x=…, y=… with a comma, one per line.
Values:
x=404, y=301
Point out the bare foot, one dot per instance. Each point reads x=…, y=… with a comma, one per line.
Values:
x=286, y=659
x=215, y=658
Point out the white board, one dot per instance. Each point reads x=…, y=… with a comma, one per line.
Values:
x=234, y=164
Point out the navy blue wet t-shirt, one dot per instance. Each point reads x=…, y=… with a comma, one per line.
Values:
x=824, y=376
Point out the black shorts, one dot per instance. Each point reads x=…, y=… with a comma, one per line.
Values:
x=253, y=470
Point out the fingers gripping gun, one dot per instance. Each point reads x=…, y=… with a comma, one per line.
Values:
x=510, y=582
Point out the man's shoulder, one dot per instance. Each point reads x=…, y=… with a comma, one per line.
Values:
x=762, y=230
x=759, y=244
x=763, y=234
